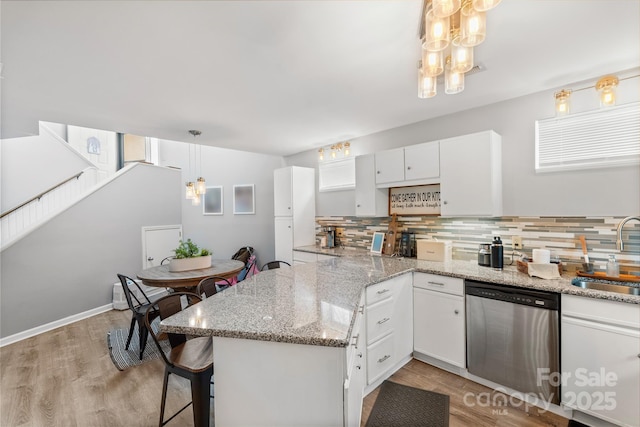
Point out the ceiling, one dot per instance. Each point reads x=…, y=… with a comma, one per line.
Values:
x=281, y=77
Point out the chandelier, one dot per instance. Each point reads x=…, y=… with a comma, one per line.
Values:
x=449, y=32
x=194, y=191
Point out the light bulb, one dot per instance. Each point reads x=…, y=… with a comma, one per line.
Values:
x=437, y=32
x=484, y=5
x=432, y=63
x=453, y=81
x=607, y=88
x=426, y=85
x=473, y=26
x=190, y=191
x=563, y=102
x=201, y=186
x=444, y=8
x=461, y=58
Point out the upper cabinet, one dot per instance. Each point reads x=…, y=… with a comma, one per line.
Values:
x=471, y=175
x=283, y=192
x=370, y=200
x=413, y=165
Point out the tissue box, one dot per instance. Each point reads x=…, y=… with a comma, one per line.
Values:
x=431, y=250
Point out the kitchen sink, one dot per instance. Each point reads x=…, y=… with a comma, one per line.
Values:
x=606, y=285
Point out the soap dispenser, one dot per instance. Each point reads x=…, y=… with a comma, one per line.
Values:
x=613, y=268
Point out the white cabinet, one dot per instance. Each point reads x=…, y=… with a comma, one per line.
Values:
x=412, y=165
x=422, y=161
x=370, y=200
x=390, y=166
x=294, y=199
x=471, y=175
x=355, y=381
x=439, y=318
x=389, y=326
x=600, y=353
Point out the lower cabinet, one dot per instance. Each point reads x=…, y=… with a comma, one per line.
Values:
x=389, y=326
x=439, y=318
x=600, y=358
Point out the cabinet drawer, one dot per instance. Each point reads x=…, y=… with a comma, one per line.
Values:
x=434, y=282
x=379, y=291
x=379, y=320
x=304, y=256
x=380, y=358
x=322, y=257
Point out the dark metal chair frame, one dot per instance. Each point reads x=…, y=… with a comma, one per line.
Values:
x=138, y=308
x=210, y=286
x=198, y=348
x=273, y=265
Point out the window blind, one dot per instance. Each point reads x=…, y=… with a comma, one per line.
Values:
x=595, y=139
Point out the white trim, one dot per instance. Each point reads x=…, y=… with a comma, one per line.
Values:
x=53, y=325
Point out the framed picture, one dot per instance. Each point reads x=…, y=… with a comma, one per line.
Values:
x=243, y=200
x=213, y=201
x=377, y=242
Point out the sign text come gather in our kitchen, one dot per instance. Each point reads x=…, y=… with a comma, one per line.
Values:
x=416, y=200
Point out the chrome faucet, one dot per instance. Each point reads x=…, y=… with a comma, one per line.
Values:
x=619, y=242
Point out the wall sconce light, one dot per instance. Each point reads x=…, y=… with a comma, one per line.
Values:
x=563, y=104
x=334, y=150
x=605, y=86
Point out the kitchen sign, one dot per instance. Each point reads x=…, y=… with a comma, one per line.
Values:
x=417, y=200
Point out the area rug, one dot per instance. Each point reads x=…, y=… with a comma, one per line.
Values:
x=400, y=405
x=122, y=358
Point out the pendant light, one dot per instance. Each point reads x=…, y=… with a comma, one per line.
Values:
x=194, y=191
x=473, y=25
x=427, y=85
x=432, y=63
x=437, y=32
x=484, y=5
x=444, y=8
x=453, y=80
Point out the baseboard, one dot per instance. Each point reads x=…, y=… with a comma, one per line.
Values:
x=53, y=325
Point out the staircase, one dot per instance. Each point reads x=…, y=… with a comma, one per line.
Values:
x=26, y=217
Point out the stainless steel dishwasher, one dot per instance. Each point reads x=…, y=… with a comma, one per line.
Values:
x=513, y=337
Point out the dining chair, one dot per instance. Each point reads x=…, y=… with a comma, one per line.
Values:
x=274, y=264
x=210, y=286
x=189, y=358
x=138, y=309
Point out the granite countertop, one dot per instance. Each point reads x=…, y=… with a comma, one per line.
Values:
x=315, y=303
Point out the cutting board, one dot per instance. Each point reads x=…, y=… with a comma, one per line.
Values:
x=390, y=237
x=603, y=275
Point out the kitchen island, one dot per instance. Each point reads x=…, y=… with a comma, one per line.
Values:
x=284, y=339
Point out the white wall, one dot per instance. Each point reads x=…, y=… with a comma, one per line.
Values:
x=28, y=166
x=597, y=192
x=225, y=234
x=68, y=266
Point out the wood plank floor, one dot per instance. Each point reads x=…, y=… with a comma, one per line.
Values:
x=423, y=376
x=66, y=378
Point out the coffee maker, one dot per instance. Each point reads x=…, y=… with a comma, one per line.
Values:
x=328, y=237
x=407, y=245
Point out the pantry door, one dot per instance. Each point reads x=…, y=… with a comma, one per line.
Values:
x=158, y=242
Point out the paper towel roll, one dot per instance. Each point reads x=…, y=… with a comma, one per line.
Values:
x=541, y=256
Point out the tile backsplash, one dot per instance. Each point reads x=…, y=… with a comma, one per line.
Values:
x=558, y=234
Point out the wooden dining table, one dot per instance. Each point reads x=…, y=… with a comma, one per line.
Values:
x=161, y=277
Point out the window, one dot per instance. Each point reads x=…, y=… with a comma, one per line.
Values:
x=595, y=139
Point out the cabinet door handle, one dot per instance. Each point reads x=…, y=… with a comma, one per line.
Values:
x=361, y=309
x=386, y=319
x=382, y=359
x=408, y=168
x=360, y=355
x=378, y=172
x=456, y=311
x=150, y=258
x=444, y=202
x=355, y=343
x=380, y=292
x=358, y=366
x=436, y=283
x=357, y=206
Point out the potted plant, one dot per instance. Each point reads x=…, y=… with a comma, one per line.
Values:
x=190, y=257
